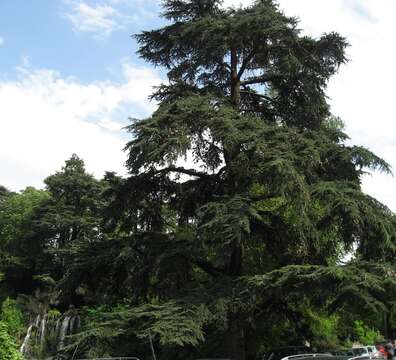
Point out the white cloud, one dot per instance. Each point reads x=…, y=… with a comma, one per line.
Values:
x=1, y=41
x=46, y=118
x=362, y=94
x=100, y=20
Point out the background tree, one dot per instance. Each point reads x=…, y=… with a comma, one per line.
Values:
x=21, y=247
x=39, y=227
x=73, y=206
x=4, y=192
x=70, y=216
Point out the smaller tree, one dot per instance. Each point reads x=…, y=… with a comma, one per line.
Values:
x=21, y=247
x=72, y=210
x=70, y=219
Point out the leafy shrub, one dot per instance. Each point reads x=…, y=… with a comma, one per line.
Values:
x=364, y=334
x=12, y=317
x=8, y=348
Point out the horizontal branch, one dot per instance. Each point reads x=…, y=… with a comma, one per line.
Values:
x=261, y=79
x=250, y=92
x=208, y=267
x=182, y=170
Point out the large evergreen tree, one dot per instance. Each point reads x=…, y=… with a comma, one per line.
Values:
x=243, y=197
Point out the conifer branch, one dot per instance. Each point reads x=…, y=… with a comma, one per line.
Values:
x=182, y=170
x=261, y=79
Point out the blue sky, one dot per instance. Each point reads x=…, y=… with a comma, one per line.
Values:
x=85, y=39
x=70, y=78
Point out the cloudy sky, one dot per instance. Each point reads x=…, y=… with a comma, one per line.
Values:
x=69, y=80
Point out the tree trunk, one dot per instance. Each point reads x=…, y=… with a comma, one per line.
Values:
x=235, y=81
x=235, y=342
x=386, y=324
x=234, y=267
x=235, y=96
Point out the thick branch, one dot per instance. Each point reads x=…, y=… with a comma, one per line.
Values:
x=245, y=63
x=208, y=267
x=228, y=66
x=250, y=92
x=182, y=170
x=261, y=79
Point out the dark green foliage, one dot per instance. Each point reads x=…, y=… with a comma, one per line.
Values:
x=21, y=246
x=270, y=201
x=37, y=227
x=255, y=55
x=71, y=216
x=73, y=208
x=4, y=193
x=168, y=323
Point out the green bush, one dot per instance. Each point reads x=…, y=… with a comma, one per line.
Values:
x=323, y=329
x=8, y=348
x=12, y=316
x=364, y=334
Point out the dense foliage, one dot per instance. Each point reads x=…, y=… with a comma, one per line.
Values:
x=8, y=349
x=12, y=316
x=242, y=224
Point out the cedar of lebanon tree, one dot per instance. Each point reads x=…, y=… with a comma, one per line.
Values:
x=243, y=196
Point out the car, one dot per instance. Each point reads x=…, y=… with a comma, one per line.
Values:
x=307, y=356
x=343, y=352
x=320, y=356
x=280, y=353
x=369, y=351
x=362, y=357
x=358, y=353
